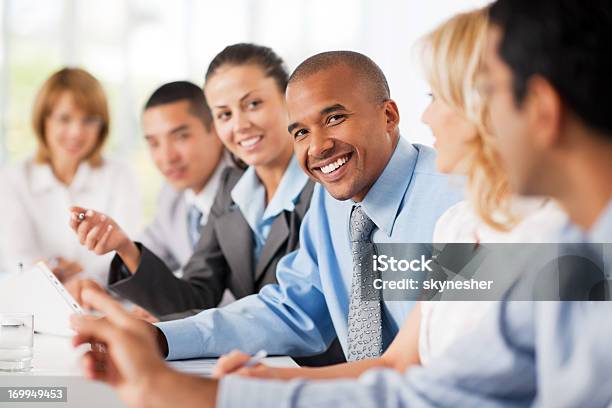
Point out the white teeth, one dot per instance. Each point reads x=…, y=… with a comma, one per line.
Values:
x=252, y=141
x=335, y=165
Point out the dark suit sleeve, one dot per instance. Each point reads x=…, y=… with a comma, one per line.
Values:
x=155, y=288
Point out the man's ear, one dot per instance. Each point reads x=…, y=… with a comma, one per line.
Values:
x=544, y=110
x=392, y=115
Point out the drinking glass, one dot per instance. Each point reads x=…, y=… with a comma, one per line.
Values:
x=16, y=341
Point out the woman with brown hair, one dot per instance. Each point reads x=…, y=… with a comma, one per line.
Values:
x=71, y=123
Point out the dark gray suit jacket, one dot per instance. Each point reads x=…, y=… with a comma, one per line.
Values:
x=223, y=258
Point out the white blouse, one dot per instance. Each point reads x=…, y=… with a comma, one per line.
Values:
x=443, y=322
x=34, y=212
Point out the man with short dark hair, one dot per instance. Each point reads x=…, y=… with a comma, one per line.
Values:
x=178, y=128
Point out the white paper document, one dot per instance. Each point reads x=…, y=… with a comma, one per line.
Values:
x=38, y=291
x=203, y=367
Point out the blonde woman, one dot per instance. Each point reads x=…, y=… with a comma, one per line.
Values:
x=71, y=124
x=452, y=56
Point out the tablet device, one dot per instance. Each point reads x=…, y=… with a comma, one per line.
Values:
x=39, y=292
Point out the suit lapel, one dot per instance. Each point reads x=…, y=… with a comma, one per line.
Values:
x=236, y=241
x=279, y=232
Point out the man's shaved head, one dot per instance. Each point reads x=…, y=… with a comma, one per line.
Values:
x=363, y=67
x=343, y=123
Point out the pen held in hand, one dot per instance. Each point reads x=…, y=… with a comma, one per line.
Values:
x=256, y=359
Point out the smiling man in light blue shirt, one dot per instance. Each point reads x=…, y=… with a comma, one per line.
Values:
x=347, y=138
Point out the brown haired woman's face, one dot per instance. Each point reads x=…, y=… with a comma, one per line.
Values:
x=453, y=134
x=249, y=113
x=70, y=133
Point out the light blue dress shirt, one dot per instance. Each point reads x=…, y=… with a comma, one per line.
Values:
x=549, y=354
x=304, y=312
x=250, y=197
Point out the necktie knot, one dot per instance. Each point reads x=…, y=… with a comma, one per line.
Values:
x=361, y=225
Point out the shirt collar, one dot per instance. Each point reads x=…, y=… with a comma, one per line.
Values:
x=43, y=179
x=383, y=201
x=249, y=188
x=288, y=191
x=204, y=199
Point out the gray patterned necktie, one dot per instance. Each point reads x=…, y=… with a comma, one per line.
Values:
x=364, y=318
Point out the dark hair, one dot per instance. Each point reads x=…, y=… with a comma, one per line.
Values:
x=245, y=53
x=362, y=65
x=568, y=43
x=182, y=91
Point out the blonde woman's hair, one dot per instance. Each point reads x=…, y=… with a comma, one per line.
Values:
x=88, y=95
x=452, y=57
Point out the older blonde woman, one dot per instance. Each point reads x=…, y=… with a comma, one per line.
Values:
x=71, y=124
x=452, y=55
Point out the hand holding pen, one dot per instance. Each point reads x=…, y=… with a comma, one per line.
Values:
x=97, y=231
x=240, y=363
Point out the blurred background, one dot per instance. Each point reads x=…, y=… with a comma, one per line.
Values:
x=133, y=46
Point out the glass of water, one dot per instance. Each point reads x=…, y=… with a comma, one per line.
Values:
x=16, y=341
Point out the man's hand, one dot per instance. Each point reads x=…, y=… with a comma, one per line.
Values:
x=76, y=287
x=131, y=362
x=97, y=231
x=101, y=234
x=125, y=355
x=233, y=363
x=141, y=313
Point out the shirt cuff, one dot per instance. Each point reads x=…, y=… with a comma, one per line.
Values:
x=124, y=272
x=243, y=392
x=184, y=339
x=118, y=271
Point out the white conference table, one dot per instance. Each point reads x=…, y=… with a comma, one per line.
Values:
x=57, y=364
